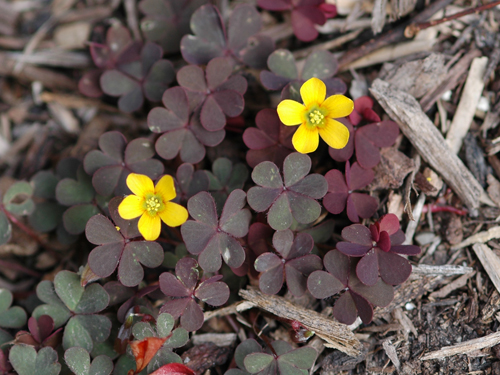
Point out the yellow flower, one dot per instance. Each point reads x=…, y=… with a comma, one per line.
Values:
x=316, y=117
x=152, y=203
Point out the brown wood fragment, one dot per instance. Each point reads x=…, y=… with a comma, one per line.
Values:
x=394, y=35
x=455, y=284
x=450, y=80
x=336, y=334
x=481, y=237
x=490, y=262
x=426, y=138
x=464, y=347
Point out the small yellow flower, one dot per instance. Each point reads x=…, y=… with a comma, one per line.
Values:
x=316, y=117
x=152, y=203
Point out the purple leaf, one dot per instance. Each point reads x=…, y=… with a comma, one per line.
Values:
x=176, y=307
x=171, y=286
x=358, y=234
x=344, y=309
x=234, y=219
x=214, y=294
x=186, y=270
x=322, y=284
x=365, y=310
x=104, y=259
x=338, y=265
x=192, y=318
x=394, y=269
x=367, y=268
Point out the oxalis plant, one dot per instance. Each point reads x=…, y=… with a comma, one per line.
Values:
x=170, y=221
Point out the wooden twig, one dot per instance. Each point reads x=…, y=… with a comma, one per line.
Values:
x=481, y=237
x=428, y=141
x=336, y=334
x=331, y=44
x=490, y=262
x=450, y=80
x=414, y=28
x=466, y=109
x=450, y=287
x=464, y=347
x=444, y=270
x=392, y=36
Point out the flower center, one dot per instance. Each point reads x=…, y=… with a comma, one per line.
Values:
x=153, y=204
x=315, y=117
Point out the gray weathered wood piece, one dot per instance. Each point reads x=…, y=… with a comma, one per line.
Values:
x=426, y=138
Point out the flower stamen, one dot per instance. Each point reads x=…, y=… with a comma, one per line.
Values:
x=153, y=205
x=316, y=117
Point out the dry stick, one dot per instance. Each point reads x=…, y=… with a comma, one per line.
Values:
x=415, y=27
x=464, y=347
x=331, y=44
x=392, y=36
x=450, y=81
x=337, y=335
x=490, y=262
x=466, y=109
x=481, y=237
x=428, y=141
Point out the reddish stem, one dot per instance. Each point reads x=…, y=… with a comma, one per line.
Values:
x=18, y=267
x=414, y=28
x=23, y=227
x=451, y=209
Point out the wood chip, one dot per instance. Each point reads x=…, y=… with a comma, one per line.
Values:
x=336, y=334
x=426, y=138
x=390, y=350
x=219, y=339
x=455, y=284
x=444, y=270
x=490, y=262
x=464, y=347
x=468, y=103
x=481, y=237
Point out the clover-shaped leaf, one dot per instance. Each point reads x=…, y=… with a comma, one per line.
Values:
x=210, y=238
x=5, y=229
x=182, y=130
x=185, y=288
x=366, y=141
x=293, y=264
x=283, y=74
x=17, y=199
x=146, y=75
x=378, y=247
x=41, y=333
x=289, y=361
x=270, y=141
x=116, y=250
x=26, y=361
x=167, y=21
x=225, y=178
x=341, y=192
x=240, y=42
x=363, y=110
x=78, y=360
x=191, y=182
x=245, y=348
x=110, y=166
x=217, y=92
x=358, y=298
x=295, y=198
x=163, y=329
x=67, y=299
x=10, y=317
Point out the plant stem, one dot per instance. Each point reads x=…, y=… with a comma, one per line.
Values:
x=413, y=29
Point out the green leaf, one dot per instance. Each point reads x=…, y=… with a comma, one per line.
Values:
x=70, y=192
x=179, y=338
x=78, y=360
x=75, y=218
x=280, y=216
x=18, y=200
x=267, y=174
x=5, y=229
x=143, y=330
x=302, y=358
x=94, y=299
x=83, y=330
x=256, y=362
x=59, y=313
x=319, y=64
x=115, y=83
x=101, y=365
x=68, y=288
x=163, y=357
x=26, y=361
x=164, y=324
x=282, y=63
x=44, y=184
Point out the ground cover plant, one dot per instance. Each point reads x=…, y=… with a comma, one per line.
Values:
x=224, y=159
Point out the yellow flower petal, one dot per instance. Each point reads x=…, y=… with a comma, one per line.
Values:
x=313, y=91
x=334, y=133
x=140, y=184
x=338, y=106
x=165, y=188
x=291, y=112
x=131, y=207
x=149, y=226
x=305, y=139
x=174, y=214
